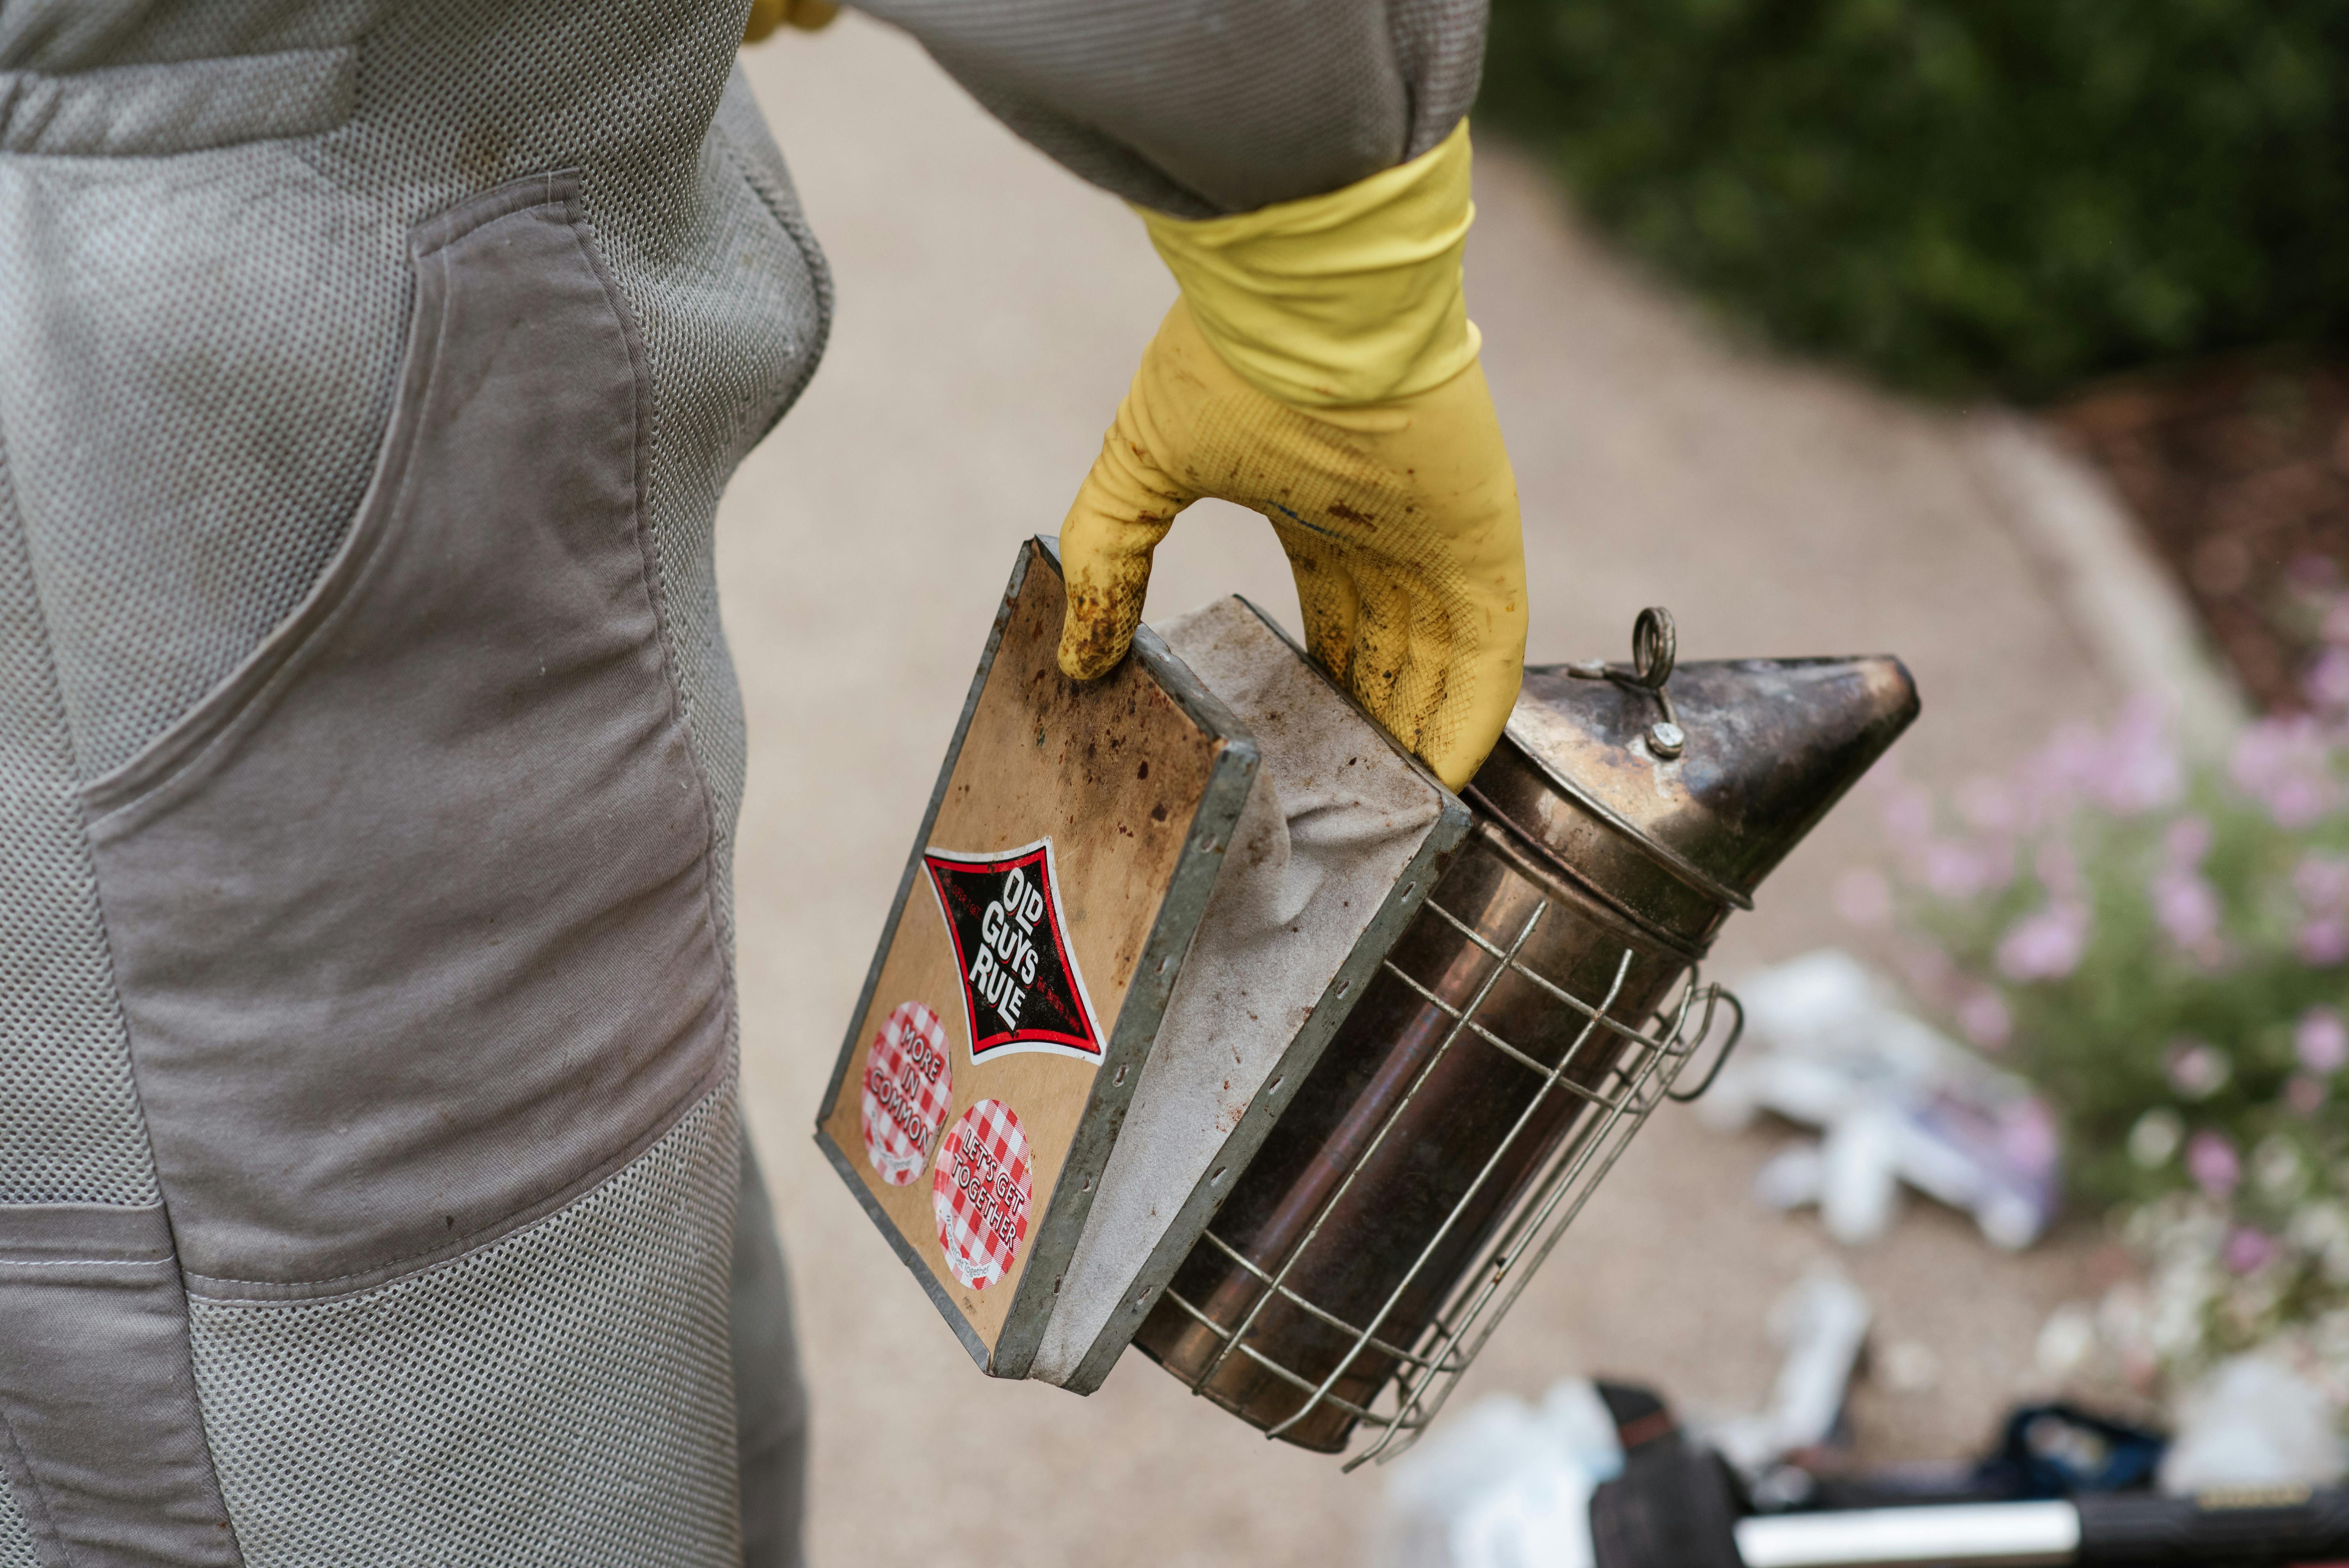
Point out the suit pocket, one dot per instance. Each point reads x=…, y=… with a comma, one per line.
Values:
x=411, y=915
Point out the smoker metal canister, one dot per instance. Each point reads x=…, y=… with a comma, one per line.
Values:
x=1617, y=823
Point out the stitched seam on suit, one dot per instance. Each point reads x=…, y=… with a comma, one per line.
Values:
x=656, y=594
x=522, y=1219
x=207, y=105
x=794, y=227
x=248, y=689
x=526, y=1219
x=198, y=734
x=40, y=1520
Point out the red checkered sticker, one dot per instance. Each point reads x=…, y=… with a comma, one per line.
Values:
x=980, y=1190
x=908, y=1085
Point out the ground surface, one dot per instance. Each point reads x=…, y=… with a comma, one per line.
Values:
x=990, y=310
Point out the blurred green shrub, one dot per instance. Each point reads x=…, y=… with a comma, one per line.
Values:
x=1959, y=195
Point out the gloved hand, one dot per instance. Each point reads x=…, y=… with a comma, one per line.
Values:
x=1320, y=369
x=766, y=15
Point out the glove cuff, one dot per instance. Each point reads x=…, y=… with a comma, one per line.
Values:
x=1338, y=300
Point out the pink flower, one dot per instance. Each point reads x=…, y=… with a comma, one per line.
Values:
x=2326, y=684
x=2210, y=1161
x=2248, y=1248
x=2285, y=765
x=2047, y=946
x=1985, y=1020
x=2321, y=1041
x=2186, y=843
x=2139, y=770
x=2324, y=942
x=2068, y=763
x=2304, y=1095
x=2188, y=907
x=2337, y=621
x=2026, y=1136
x=1959, y=870
x=2297, y=801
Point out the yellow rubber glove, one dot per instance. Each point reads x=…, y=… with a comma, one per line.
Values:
x=1320, y=369
x=766, y=15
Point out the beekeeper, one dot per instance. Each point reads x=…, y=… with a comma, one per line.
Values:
x=371, y=1185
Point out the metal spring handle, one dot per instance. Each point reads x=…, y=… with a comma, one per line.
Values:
x=1654, y=647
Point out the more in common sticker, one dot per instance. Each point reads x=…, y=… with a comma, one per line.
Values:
x=908, y=1085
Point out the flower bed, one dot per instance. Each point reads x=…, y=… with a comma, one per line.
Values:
x=2162, y=948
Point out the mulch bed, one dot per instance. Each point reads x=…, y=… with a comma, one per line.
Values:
x=2240, y=475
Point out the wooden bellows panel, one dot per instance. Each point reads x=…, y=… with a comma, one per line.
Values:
x=1067, y=854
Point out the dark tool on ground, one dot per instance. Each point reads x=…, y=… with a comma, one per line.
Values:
x=1678, y=1505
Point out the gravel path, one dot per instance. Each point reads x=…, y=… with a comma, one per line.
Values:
x=990, y=310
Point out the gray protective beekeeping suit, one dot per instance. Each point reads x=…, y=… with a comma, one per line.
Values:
x=371, y=1186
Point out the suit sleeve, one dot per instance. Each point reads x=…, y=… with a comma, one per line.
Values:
x=1202, y=107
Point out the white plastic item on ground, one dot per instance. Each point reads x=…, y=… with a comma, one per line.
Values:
x=1502, y=1485
x=1821, y=1323
x=1860, y=1172
x=2253, y=1421
x=1509, y=1485
x=1897, y=1100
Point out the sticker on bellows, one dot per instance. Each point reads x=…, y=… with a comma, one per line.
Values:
x=980, y=1192
x=1020, y=987
x=908, y=1085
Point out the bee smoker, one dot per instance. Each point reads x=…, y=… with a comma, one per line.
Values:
x=1542, y=1003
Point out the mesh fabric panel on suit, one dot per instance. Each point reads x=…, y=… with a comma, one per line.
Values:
x=16, y=1541
x=69, y=1129
x=241, y=435
x=560, y=1398
x=1199, y=107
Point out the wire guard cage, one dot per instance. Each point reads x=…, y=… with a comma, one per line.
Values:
x=1542, y=1003
x=1617, y=1074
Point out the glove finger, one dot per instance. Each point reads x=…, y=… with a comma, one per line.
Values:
x=1454, y=694
x=1380, y=631
x=1439, y=669
x=1327, y=598
x=1402, y=645
x=1471, y=704
x=1122, y=510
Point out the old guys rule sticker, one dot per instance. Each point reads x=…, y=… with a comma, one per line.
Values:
x=908, y=1084
x=1020, y=979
